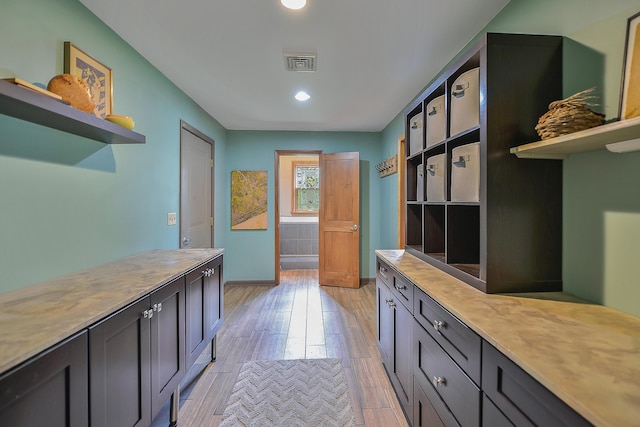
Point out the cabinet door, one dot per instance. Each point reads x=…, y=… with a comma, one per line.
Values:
x=49, y=391
x=424, y=414
x=214, y=300
x=167, y=342
x=119, y=366
x=403, y=332
x=205, y=308
x=491, y=415
x=195, y=315
x=385, y=324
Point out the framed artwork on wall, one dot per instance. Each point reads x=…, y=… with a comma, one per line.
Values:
x=630, y=98
x=249, y=200
x=98, y=76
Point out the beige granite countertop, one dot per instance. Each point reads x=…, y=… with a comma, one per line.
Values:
x=587, y=354
x=36, y=317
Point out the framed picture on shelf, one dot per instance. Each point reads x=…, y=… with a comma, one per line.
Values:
x=98, y=76
x=630, y=98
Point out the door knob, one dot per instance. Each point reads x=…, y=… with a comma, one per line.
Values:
x=186, y=241
x=355, y=227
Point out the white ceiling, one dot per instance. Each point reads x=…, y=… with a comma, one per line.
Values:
x=373, y=56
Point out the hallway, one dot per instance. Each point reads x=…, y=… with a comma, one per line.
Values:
x=297, y=319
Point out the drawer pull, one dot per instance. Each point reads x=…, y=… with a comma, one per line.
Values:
x=438, y=325
x=147, y=314
x=390, y=303
x=157, y=307
x=400, y=288
x=438, y=381
x=208, y=272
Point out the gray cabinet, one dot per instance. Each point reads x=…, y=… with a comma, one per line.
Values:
x=204, y=307
x=460, y=343
x=457, y=378
x=519, y=397
x=137, y=358
x=394, y=336
x=50, y=390
x=437, y=373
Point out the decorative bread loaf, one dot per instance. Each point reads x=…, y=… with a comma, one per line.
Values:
x=73, y=90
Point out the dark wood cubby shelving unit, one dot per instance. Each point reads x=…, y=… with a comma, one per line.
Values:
x=511, y=239
x=29, y=105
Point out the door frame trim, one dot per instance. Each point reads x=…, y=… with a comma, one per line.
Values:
x=276, y=186
x=187, y=127
x=402, y=216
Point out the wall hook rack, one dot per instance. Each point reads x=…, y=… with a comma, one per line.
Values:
x=388, y=166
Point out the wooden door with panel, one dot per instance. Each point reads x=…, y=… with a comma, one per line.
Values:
x=339, y=220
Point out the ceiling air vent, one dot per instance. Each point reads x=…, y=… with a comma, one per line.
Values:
x=300, y=61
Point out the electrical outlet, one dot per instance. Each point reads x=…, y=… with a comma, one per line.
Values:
x=171, y=218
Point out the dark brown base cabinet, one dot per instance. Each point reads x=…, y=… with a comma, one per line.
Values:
x=137, y=358
x=205, y=307
x=393, y=338
x=123, y=369
x=50, y=390
x=448, y=375
x=520, y=399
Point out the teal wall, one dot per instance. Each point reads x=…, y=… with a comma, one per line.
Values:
x=601, y=237
x=601, y=195
x=252, y=252
x=69, y=203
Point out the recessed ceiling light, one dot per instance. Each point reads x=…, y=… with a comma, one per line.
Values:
x=294, y=4
x=302, y=96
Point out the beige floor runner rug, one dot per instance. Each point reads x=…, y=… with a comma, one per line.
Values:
x=308, y=392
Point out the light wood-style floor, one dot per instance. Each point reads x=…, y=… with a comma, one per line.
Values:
x=296, y=320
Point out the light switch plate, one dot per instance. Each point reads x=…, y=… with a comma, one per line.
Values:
x=171, y=218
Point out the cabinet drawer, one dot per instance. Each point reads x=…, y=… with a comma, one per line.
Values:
x=436, y=370
x=401, y=288
x=403, y=291
x=385, y=273
x=520, y=397
x=460, y=342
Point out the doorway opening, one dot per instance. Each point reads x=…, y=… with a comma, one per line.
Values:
x=297, y=197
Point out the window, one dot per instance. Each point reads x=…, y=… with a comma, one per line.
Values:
x=306, y=188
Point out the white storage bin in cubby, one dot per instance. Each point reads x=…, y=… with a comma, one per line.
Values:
x=465, y=173
x=436, y=171
x=465, y=101
x=415, y=134
x=436, y=121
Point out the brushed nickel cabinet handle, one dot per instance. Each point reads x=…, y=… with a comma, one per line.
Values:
x=438, y=381
x=400, y=288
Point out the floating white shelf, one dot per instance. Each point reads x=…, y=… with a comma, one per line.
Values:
x=592, y=139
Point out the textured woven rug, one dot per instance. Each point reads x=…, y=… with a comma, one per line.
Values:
x=305, y=392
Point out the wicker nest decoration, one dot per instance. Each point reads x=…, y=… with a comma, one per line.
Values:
x=569, y=115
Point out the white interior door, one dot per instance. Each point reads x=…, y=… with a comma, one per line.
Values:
x=196, y=188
